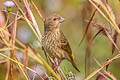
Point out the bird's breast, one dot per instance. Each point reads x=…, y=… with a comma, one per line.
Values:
x=51, y=41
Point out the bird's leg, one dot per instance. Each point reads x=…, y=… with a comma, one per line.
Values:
x=55, y=64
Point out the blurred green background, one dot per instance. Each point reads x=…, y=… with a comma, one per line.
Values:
x=76, y=12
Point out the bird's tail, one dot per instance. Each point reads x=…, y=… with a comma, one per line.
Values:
x=74, y=64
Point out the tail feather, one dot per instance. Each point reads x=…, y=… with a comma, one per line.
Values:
x=73, y=62
x=74, y=65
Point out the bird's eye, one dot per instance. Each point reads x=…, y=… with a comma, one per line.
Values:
x=55, y=19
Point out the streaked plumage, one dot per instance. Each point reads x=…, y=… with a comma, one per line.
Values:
x=54, y=41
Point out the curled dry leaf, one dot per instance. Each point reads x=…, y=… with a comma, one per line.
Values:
x=105, y=32
x=88, y=25
x=114, y=39
x=99, y=28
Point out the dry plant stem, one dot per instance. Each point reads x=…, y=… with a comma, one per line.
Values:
x=36, y=34
x=20, y=43
x=87, y=27
x=11, y=66
x=14, y=36
x=35, y=52
x=105, y=32
x=87, y=55
x=17, y=63
x=12, y=13
x=104, y=76
x=13, y=48
x=102, y=66
x=112, y=41
x=109, y=61
x=16, y=60
x=7, y=70
x=22, y=69
x=31, y=18
x=111, y=20
x=38, y=11
x=26, y=19
x=115, y=41
x=58, y=78
x=94, y=38
x=25, y=58
x=32, y=50
x=90, y=42
x=27, y=10
x=88, y=35
x=87, y=51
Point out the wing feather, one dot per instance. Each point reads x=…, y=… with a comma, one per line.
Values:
x=65, y=45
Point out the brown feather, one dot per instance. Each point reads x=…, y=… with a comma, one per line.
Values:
x=54, y=41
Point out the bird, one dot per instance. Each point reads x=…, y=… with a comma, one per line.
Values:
x=54, y=41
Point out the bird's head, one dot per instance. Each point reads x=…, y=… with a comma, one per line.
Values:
x=53, y=21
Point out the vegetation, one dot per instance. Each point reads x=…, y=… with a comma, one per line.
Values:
x=91, y=27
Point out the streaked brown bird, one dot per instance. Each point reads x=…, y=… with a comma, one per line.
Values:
x=54, y=41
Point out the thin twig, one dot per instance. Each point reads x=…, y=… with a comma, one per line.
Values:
x=87, y=27
x=102, y=66
x=43, y=19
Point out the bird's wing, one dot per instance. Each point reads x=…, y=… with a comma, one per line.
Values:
x=65, y=45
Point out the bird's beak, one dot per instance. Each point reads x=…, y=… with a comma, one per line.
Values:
x=61, y=19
